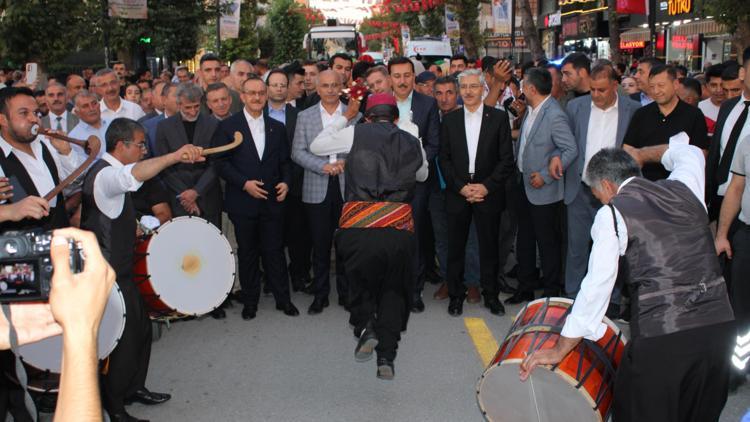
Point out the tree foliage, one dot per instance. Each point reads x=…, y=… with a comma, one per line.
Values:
x=735, y=15
x=467, y=16
x=287, y=23
x=247, y=44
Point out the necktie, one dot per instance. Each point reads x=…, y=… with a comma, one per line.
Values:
x=726, y=159
x=59, y=125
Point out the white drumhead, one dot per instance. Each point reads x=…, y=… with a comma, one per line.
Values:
x=47, y=354
x=191, y=265
x=544, y=397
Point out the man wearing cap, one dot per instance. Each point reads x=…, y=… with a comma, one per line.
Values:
x=376, y=230
x=424, y=83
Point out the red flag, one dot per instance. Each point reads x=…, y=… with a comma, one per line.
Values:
x=634, y=7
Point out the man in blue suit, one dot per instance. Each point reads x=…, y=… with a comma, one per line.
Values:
x=423, y=112
x=545, y=134
x=598, y=121
x=257, y=175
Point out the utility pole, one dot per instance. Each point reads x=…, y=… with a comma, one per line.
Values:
x=512, y=27
x=105, y=30
x=218, y=26
x=652, y=25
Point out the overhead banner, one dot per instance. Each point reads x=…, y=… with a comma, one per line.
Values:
x=229, y=27
x=128, y=9
x=501, y=15
x=451, y=24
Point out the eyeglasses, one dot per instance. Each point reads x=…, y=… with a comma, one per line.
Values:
x=141, y=145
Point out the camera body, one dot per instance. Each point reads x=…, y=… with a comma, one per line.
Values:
x=26, y=267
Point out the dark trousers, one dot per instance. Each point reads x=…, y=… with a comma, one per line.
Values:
x=425, y=240
x=261, y=237
x=679, y=377
x=488, y=229
x=378, y=265
x=740, y=294
x=324, y=219
x=538, y=225
x=297, y=239
x=128, y=363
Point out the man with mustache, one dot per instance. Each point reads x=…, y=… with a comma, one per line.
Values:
x=108, y=88
x=423, y=111
x=58, y=118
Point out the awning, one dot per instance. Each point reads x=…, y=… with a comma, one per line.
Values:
x=705, y=26
x=635, y=35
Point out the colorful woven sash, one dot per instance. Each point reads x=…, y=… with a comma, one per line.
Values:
x=361, y=214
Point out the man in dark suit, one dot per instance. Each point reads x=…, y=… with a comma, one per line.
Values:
x=423, y=111
x=296, y=226
x=169, y=98
x=194, y=189
x=58, y=118
x=257, y=176
x=476, y=158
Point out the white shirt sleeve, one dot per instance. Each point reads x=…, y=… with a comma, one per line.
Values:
x=687, y=164
x=336, y=138
x=110, y=187
x=585, y=320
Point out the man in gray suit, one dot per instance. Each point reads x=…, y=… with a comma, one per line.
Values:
x=58, y=118
x=194, y=189
x=322, y=187
x=545, y=133
x=598, y=121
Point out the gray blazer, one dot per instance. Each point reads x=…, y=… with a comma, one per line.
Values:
x=549, y=136
x=70, y=122
x=315, y=182
x=579, y=113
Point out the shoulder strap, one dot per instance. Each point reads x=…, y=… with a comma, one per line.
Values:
x=614, y=219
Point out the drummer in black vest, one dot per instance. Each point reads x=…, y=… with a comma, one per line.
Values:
x=33, y=164
x=109, y=212
x=676, y=364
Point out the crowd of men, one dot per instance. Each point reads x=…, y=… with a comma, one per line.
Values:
x=507, y=175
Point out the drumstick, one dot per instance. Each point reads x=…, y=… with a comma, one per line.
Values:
x=215, y=150
x=36, y=129
x=77, y=172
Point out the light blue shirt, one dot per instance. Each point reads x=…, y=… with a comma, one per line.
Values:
x=645, y=99
x=278, y=115
x=404, y=107
x=83, y=130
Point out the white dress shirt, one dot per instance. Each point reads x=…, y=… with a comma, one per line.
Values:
x=686, y=162
x=732, y=117
x=258, y=131
x=111, y=184
x=63, y=120
x=338, y=138
x=37, y=168
x=127, y=109
x=327, y=119
x=404, y=107
x=528, y=123
x=473, y=123
x=83, y=130
x=601, y=133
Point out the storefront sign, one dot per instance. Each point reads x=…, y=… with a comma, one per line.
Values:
x=629, y=45
x=553, y=19
x=679, y=7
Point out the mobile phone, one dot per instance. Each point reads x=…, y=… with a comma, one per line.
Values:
x=31, y=73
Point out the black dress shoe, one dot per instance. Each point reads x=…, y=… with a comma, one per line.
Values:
x=148, y=397
x=456, y=306
x=218, y=313
x=417, y=305
x=520, y=297
x=249, y=312
x=124, y=417
x=504, y=287
x=494, y=305
x=386, y=371
x=288, y=308
x=317, y=306
x=365, y=346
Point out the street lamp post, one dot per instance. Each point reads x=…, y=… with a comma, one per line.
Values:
x=105, y=31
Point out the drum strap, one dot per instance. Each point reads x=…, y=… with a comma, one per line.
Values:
x=20, y=370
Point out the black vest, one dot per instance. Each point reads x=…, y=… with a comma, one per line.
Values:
x=13, y=169
x=676, y=281
x=116, y=236
x=382, y=164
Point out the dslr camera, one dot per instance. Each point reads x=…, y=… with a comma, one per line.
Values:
x=26, y=266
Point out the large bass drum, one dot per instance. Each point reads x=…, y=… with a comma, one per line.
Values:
x=578, y=389
x=186, y=267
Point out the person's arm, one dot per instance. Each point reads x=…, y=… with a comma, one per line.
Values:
x=424, y=170
x=337, y=138
x=162, y=212
x=562, y=137
x=146, y=169
x=504, y=165
x=65, y=159
x=699, y=132
x=730, y=207
x=446, y=160
x=687, y=164
x=431, y=140
x=77, y=302
x=161, y=148
x=590, y=306
x=300, y=152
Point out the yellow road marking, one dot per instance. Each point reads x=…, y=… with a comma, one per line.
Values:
x=483, y=339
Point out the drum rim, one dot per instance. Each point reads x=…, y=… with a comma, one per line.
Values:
x=586, y=396
x=223, y=238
